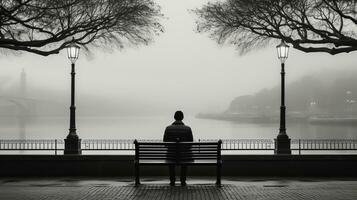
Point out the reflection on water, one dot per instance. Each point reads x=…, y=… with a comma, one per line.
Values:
x=153, y=127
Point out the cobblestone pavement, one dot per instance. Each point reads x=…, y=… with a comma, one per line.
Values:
x=153, y=189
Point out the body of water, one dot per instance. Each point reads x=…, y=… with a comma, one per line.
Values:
x=153, y=128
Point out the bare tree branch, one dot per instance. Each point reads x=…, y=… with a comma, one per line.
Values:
x=328, y=26
x=44, y=27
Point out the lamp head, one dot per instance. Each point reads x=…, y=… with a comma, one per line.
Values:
x=283, y=51
x=73, y=51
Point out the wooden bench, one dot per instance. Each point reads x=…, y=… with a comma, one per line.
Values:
x=178, y=153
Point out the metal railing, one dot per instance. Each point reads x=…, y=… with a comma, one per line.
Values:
x=245, y=144
x=323, y=145
x=108, y=145
x=299, y=145
x=111, y=145
x=32, y=145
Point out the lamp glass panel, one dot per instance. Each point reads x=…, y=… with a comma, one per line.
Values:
x=283, y=51
x=73, y=53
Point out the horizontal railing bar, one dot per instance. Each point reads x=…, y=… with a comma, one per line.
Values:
x=248, y=149
x=31, y=149
x=107, y=149
x=324, y=149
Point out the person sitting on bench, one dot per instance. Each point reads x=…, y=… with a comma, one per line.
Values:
x=178, y=131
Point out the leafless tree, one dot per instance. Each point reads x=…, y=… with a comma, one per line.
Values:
x=45, y=27
x=309, y=25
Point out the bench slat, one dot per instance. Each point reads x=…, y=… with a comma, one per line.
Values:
x=163, y=146
x=173, y=143
x=165, y=149
x=156, y=152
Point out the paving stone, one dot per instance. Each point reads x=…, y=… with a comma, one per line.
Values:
x=230, y=190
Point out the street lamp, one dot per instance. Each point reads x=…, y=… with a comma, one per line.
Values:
x=72, y=142
x=282, y=142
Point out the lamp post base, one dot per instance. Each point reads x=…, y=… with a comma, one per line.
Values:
x=282, y=145
x=72, y=146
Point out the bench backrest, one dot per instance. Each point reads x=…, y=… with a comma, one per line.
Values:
x=178, y=151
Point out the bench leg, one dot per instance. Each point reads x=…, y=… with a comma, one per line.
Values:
x=136, y=172
x=219, y=169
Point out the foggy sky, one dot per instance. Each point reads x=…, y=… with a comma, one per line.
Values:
x=180, y=70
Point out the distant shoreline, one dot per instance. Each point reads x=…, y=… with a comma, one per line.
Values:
x=254, y=118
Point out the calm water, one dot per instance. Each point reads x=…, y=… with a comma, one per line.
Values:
x=153, y=127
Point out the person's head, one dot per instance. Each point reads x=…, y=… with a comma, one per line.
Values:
x=178, y=115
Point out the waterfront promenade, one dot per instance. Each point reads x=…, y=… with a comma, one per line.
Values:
x=158, y=189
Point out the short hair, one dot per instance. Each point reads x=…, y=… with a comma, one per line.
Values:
x=178, y=115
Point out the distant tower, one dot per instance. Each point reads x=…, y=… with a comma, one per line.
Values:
x=23, y=84
x=25, y=109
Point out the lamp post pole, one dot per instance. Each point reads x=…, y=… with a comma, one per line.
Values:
x=72, y=142
x=282, y=142
x=72, y=117
x=282, y=129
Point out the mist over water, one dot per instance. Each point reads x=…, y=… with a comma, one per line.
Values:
x=101, y=117
x=152, y=127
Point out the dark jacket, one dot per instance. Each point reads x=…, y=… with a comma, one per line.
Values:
x=178, y=130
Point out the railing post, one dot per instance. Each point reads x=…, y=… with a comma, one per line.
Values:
x=136, y=163
x=199, y=146
x=299, y=146
x=219, y=163
x=56, y=147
